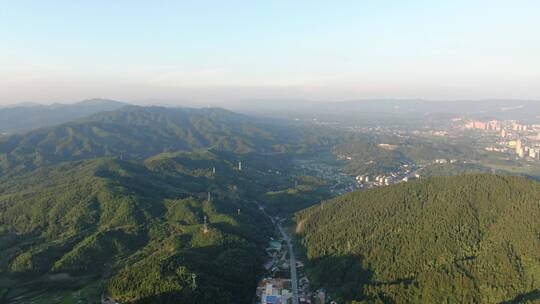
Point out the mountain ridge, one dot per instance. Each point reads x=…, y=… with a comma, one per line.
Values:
x=139, y=132
x=25, y=117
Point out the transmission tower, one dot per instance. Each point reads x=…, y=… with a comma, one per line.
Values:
x=205, y=229
x=194, y=277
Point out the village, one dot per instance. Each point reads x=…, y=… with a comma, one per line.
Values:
x=285, y=281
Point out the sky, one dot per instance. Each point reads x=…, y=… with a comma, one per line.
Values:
x=218, y=51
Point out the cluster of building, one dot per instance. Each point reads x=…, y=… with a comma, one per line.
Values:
x=492, y=125
x=343, y=157
x=343, y=183
x=523, y=151
x=496, y=125
x=275, y=288
x=305, y=295
x=404, y=174
x=442, y=161
x=521, y=140
x=274, y=291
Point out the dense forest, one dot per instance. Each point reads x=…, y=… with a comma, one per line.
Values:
x=116, y=203
x=380, y=153
x=135, y=132
x=150, y=205
x=367, y=157
x=461, y=239
x=137, y=227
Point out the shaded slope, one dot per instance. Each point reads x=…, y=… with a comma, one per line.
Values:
x=472, y=238
x=139, y=132
x=137, y=228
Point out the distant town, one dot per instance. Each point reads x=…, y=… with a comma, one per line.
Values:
x=516, y=139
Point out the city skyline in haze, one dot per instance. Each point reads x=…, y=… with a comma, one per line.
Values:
x=217, y=51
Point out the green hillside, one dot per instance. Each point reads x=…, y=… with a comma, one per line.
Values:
x=133, y=229
x=462, y=239
x=139, y=132
x=455, y=169
x=368, y=158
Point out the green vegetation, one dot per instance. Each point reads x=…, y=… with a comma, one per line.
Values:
x=135, y=229
x=461, y=239
x=368, y=158
x=116, y=203
x=453, y=169
x=307, y=191
x=137, y=133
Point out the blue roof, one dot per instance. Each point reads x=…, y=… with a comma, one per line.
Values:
x=272, y=299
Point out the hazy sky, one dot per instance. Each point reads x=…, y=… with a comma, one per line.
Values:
x=223, y=50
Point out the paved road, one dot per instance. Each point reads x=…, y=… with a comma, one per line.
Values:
x=292, y=258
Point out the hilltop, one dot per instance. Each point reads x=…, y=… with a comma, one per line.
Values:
x=134, y=132
x=471, y=238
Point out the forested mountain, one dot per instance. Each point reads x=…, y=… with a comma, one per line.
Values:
x=140, y=132
x=25, y=117
x=461, y=239
x=137, y=227
x=366, y=157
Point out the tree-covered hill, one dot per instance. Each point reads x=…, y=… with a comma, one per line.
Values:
x=366, y=157
x=461, y=239
x=137, y=229
x=139, y=132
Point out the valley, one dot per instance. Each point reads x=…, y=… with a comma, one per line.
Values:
x=148, y=204
x=269, y=152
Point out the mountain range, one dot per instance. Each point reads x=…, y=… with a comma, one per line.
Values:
x=28, y=116
x=140, y=132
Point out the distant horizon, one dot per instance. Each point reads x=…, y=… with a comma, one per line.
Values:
x=219, y=51
x=252, y=101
